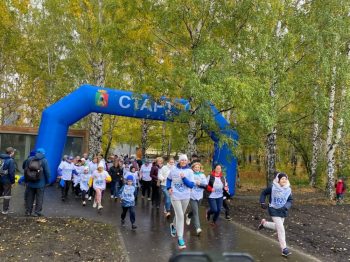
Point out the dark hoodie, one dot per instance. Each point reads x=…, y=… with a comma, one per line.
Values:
x=44, y=180
x=11, y=167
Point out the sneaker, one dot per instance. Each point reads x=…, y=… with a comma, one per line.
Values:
x=188, y=220
x=4, y=212
x=84, y=203
x=286, y=252
x=228, y=218
x=199, y=231
x=94, y=205
x=112, y=196
x=261, y=225
x=181, y=243
x=133, y=226
x=168, y=214
x=86, y=196
x=99, y=206
x=149, y=199
x=89, y=198
x=172, y=230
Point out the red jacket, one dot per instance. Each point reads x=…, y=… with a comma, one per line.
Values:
x=340, y=188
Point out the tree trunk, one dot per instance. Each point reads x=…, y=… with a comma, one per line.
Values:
x=330, y=144
x=144, y=137
x=315, y=142
x=164, y=141
x=271, y=155
x=191, y=138
x=112, y=123
x=96, y=119
x=315, y=151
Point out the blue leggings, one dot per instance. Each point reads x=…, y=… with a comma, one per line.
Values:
x=215, y=205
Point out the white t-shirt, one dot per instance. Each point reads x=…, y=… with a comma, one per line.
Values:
x=218, y=187
x=84, y=181
x=99, y=179
x=92, y=167
x=67, y=169
x=146, y=172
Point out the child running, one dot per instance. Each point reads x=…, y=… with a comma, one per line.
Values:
x=280, y=201
x=99, y=177
x=127, y=196
x=200, y=182
x=84, y=184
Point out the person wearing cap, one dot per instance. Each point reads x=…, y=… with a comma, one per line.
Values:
x=280, y=201
x=127, y=196
x=65, y=172
x=35, y=189
x=146, y=180
x=7, y=177
x=99, y=177
x=179, y=184
x=200, y=183
x=162, y=176
x=84, y=184
x=136, y=180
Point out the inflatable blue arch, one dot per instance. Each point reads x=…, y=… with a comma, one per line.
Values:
x=57, y=118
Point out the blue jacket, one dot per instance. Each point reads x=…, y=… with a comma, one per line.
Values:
x=11, y=167
x=45, y=178
x=280, y=212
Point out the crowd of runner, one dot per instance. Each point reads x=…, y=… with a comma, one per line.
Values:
x=181, y=184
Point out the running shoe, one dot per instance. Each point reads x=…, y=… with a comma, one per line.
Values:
x=172, y=230
x=286, y=252
x=84, y=203
x=199, y=231
x=181, y=243
x=261, y=225
x=94, y=205
x=188, y=220
x=133, y=226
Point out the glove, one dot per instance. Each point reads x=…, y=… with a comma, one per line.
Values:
x=263, y=205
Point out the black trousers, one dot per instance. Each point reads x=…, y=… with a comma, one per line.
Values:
x=65, y=189
x=5, y=192
x=155, y=194
x=38, y=195
x=146, y=188
x=131, y=213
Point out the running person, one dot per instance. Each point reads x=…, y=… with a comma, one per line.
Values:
x=196, y=196
x=216, y=186
x=280, y=201
x=179, y=184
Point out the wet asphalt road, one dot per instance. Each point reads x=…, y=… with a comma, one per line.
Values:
x=151, y=241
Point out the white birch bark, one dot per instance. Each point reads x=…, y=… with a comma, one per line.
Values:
x=191, y=138
x=96, y=119
x=331, y=142
x=315, y=143
x=144, y=137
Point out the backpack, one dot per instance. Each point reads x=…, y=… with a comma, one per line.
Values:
x=3, y=172
x=34, y=171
